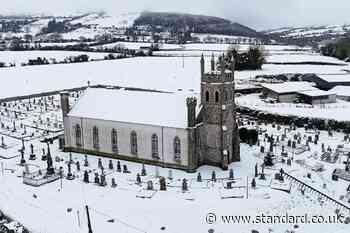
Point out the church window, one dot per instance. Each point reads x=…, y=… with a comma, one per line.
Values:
x=216, y=96
x=133, y=143
x=78, y=136
x=114, y=140
x=95, y=138
x=155, y=146
x=177, y=148
x=207, y=96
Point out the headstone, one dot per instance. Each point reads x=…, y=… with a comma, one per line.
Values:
x=114, y=184
x=199, y=177
x=103, y=181
x=97, y=179
x=32, y=155
x=86, y=177
x=143, y=170
x=231, y=174
x=119, y=168
x=213, y=176
x=150, y=185
x=86, y=162
x=253, y=183
x=100, y=163
x=78, y=166
x=125, y=169
x=162, y=183
x=70, y=176
x=110, y=165
x=138, y=179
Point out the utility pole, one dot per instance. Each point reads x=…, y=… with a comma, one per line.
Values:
x=88, y=218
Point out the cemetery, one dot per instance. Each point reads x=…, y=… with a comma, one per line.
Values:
x=33, y=162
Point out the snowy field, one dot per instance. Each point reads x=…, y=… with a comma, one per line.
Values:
x=19, y=57
x=293, y=58
x=168, y=74
x=339, y=111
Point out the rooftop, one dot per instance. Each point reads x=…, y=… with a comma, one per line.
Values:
x=315, y=93
x=289, y=87
x=148, y=108
x=335, y=77
x=342, y=90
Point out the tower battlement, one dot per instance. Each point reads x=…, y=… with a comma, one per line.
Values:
x=221, y=75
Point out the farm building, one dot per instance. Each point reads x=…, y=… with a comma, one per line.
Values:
x=317, y=97
x=289, y=92
x=286, y=92
x=327, y=82
x=342, y=92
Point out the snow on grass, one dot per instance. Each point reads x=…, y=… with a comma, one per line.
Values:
x=303, y=58
x=337, y=111
x=121, y=20
x=168, y=74
x=19, y=57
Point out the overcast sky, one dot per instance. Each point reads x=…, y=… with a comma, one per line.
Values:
x=258, y=14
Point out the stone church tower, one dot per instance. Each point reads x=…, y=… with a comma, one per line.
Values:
x=218, y=137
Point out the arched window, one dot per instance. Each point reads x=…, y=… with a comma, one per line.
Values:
x=133, y=143
x=95, y=138
x=177, y=148
x=114, y=141
x=155, y=146
x=78, y=135
x=207, y=96
x=216, y=97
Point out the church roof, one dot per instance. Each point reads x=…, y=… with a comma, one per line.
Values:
x=140, y=107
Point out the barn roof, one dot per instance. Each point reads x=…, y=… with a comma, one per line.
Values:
x=289, y=87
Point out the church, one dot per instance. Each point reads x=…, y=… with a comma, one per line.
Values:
x=177, y=130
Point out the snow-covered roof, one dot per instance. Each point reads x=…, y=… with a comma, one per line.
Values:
x=315, y=93
x=341, y=90
x=289, y=87
x=335, y=78
x=140, y=107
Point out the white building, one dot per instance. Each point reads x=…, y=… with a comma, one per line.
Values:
x=140, y=126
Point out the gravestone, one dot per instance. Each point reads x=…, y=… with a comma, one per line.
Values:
x=162, y=183
x=199, y=177
x=150, y=185
x=86, y=162
x=184, y=185
x=114, y=184
x=143, y=170
x=110, y=165
x=138, y=179
x=119, y=168
x=213, y=176
x=86, y=177
x=231, y=174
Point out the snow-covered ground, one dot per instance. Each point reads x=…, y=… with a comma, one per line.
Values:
x=302, y=58
x=59, y=207
x=160, y=73
x=339, y=111
x=19, y=57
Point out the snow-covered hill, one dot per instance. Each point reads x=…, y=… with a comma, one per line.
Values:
x=313, y=31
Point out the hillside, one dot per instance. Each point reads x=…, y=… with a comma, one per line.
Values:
x=309, y=35
x=194, y=24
